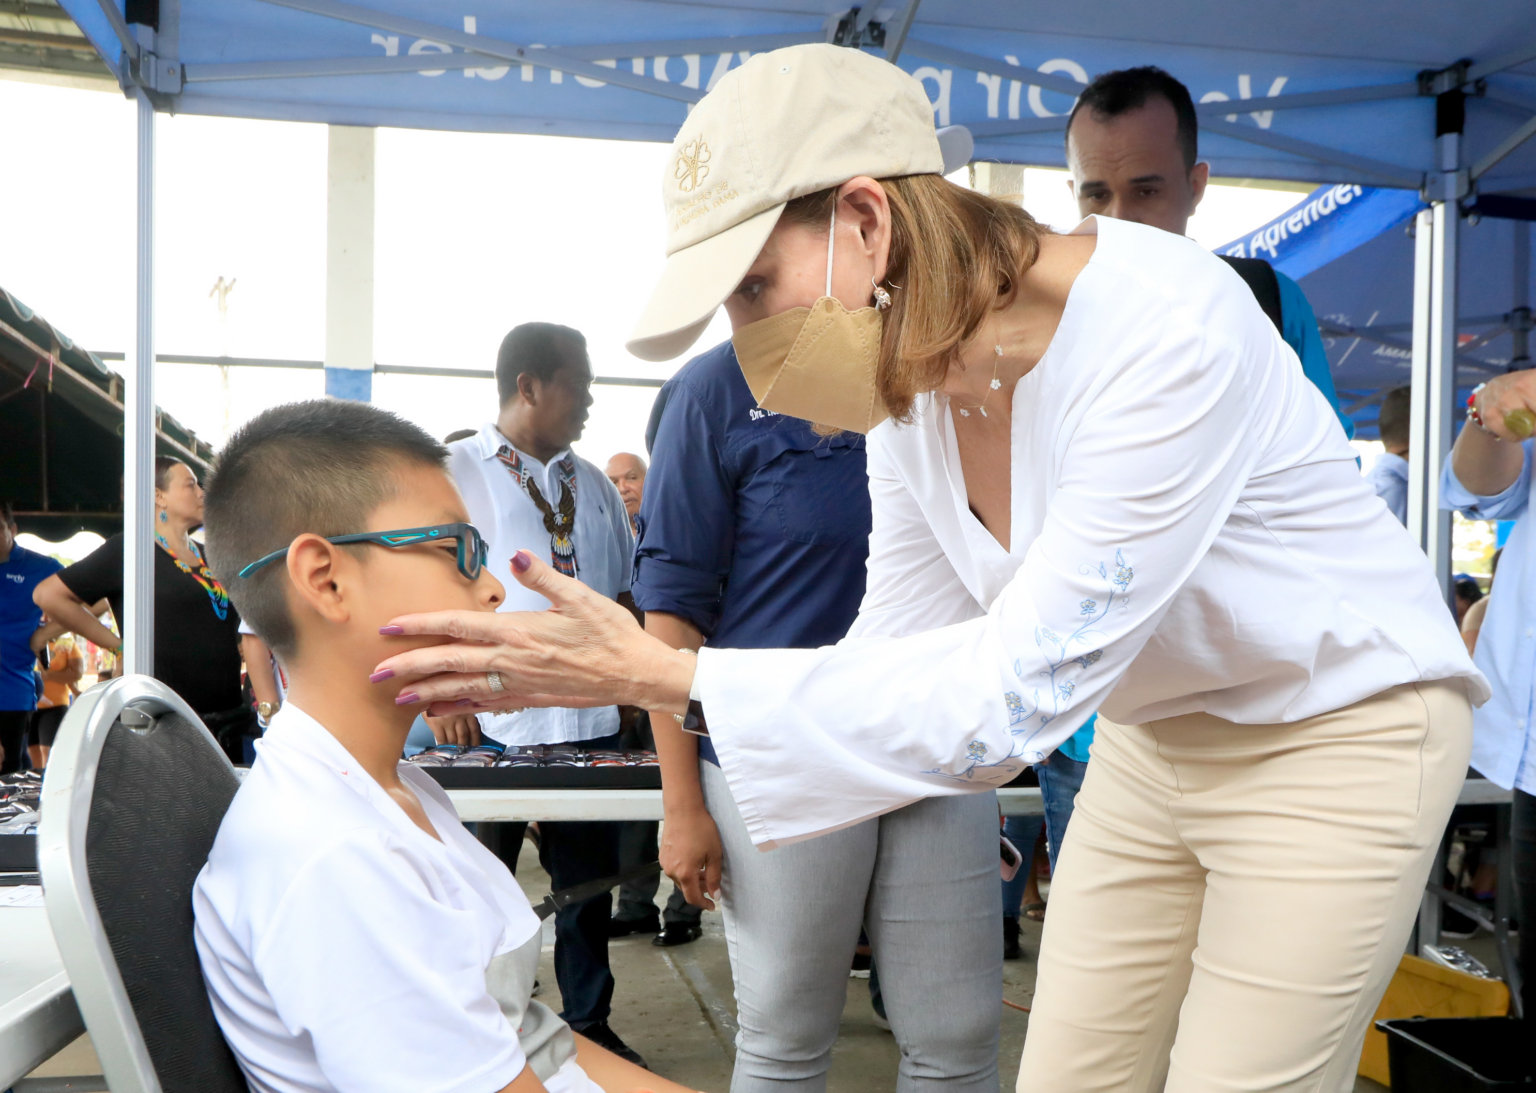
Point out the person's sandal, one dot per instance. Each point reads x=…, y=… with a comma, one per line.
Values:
x=1035, y=912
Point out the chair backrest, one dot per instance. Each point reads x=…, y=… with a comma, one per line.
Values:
x=132, y=799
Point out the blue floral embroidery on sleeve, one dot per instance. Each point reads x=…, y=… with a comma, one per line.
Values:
x=1027, y=714
x=1060, y=651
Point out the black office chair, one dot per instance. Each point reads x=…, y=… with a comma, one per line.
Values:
x=132, y=799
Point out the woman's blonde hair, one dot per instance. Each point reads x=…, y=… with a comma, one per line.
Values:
x=956, y=257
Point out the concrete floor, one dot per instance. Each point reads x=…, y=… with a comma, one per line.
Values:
x=675, y=1007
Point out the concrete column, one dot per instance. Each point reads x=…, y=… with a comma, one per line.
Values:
x=1004, y=180
x=349, y=264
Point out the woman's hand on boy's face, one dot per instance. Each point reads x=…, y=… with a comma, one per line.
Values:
x=585, y=650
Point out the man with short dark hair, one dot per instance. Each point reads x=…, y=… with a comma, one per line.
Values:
x=1389, y=474
x=21, y=570
x=526, y=490
x=1133, y=150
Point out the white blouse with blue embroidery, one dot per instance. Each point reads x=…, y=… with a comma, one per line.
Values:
x=1190, y=534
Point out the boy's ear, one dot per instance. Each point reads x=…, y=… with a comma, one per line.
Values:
x=314, y=567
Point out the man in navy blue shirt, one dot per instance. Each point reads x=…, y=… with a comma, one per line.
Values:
x=755, y=529
x=754, y=533
x=21, y=570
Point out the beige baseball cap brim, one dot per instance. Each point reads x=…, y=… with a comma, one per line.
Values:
x=694, y=283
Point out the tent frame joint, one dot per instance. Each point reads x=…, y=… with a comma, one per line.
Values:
x=856, y=28
x=1436, y=82
x=1446, y=186
x=158, y=75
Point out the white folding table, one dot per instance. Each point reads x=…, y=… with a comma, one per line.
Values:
x=38, y=1015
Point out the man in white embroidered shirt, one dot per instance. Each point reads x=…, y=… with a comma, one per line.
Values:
x=526, y=490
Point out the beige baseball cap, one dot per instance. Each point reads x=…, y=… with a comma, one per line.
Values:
x=785, y=124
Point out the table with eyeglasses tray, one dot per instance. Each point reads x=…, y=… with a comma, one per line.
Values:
x=38, y=1016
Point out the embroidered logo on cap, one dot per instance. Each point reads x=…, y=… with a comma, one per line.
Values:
x=691, y=166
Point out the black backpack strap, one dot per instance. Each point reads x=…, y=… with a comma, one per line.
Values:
x=1263, y=283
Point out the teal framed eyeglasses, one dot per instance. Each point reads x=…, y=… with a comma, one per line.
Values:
x=471, y=556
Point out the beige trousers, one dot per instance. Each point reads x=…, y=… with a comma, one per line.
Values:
x=1231, y=900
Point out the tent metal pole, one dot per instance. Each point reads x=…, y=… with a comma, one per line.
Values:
x=1442, y=384
x=896, y=37
x=1499, y=64
x=138, y=623
x=120, y=28
x=1421, y=467
x=1506, y=146
x=1418, y=425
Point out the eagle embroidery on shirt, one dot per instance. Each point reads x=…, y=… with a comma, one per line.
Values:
x=559, y=521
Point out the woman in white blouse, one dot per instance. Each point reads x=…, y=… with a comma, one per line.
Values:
x=1100, y=480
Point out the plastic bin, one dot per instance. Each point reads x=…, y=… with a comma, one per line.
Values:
x=1459, y=1054
x=1424, y=989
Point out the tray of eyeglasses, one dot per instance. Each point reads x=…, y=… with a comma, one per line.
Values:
x=538, y=766
x=20, y=796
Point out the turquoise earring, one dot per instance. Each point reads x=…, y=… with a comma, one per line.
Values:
x=162, y=516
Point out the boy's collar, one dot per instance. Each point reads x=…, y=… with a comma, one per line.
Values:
x=294, y=728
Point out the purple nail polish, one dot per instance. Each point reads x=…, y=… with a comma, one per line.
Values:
x=521, y=561
x=392, y=631
x=406, y=698
x=381, y=675
x=465, y=702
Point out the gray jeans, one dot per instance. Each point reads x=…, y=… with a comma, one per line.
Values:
x=922, y=881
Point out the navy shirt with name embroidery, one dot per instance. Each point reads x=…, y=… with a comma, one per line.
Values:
x=752, y=527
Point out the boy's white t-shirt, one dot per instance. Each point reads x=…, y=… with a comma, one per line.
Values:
x=346, y=949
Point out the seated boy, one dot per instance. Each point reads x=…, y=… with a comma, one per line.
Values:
x=352, y=934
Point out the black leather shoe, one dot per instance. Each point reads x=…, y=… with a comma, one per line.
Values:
x=624, y=927
x=677, y=933
x=1012, y=950
x=603, y=1036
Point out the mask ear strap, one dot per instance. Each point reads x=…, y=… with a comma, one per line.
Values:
x=831, y=234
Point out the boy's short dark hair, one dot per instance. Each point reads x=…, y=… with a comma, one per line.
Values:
x=538, y=349
x=7, y=514
x=1114, y=93
x=1395, y=416
x=321, y=467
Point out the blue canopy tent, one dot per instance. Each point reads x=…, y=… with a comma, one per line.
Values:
x=1429, y=97
x=1352, y=250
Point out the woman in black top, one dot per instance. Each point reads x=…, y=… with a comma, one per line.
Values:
x=197, y=648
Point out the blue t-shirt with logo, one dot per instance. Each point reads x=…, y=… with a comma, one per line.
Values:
x=23, y=571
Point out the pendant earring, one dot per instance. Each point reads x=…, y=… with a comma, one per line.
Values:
x=882, y=297
x=162, y=516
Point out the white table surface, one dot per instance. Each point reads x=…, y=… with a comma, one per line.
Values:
x=38, y=1015
x=626, y=804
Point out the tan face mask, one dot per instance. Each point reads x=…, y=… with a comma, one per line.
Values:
x=818, y=362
